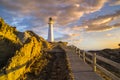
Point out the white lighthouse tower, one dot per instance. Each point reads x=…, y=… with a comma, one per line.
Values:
x=50, y=31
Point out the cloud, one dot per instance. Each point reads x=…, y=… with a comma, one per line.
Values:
x=74, y=35
x=102, y=23
x=114, y=2
x=63, y=11
x=77, y=28
x=65, y=37
x=34, y=15
x=108, y=35
x=99, y=28
x=71, y=38
x=117, y=25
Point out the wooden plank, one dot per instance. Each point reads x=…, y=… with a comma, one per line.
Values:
x=86, y=76
x=89, y=60
x=108, y=61
x=116, y=65
x=89, y=53
x=80, y=70
x=107, y=73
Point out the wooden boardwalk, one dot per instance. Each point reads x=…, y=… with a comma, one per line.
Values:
x=80, y=70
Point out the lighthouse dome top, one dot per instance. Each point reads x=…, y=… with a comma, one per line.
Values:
x=51, y=20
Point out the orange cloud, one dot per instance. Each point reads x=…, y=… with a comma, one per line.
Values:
x=64, y=11
x=102, y=23
x=108, y=35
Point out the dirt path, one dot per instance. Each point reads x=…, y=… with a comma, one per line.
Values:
x=56, y=68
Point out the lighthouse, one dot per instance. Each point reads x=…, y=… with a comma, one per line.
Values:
x=50, y=30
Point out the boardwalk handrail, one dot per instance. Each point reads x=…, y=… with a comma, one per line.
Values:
x=112, y=63
x=93, y=62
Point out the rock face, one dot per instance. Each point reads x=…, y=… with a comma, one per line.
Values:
x=26, y=56
x=9, y=42
x=18, y=50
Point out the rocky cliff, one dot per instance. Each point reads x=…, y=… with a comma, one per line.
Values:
x=18, y=50
x=26, y=56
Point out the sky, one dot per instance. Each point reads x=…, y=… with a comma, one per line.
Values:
x=87, y=24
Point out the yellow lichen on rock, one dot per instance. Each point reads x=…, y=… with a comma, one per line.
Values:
x=23, y=56
x=9, y=32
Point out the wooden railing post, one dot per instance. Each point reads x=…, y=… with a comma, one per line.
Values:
x=94, y=62
x=79, y=53
x=75, y=50
x=84, y=56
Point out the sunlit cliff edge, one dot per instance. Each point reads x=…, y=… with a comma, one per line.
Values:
x=18, y=50
x=25, y=56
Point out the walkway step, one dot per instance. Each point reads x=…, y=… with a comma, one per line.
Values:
x=80, y=70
